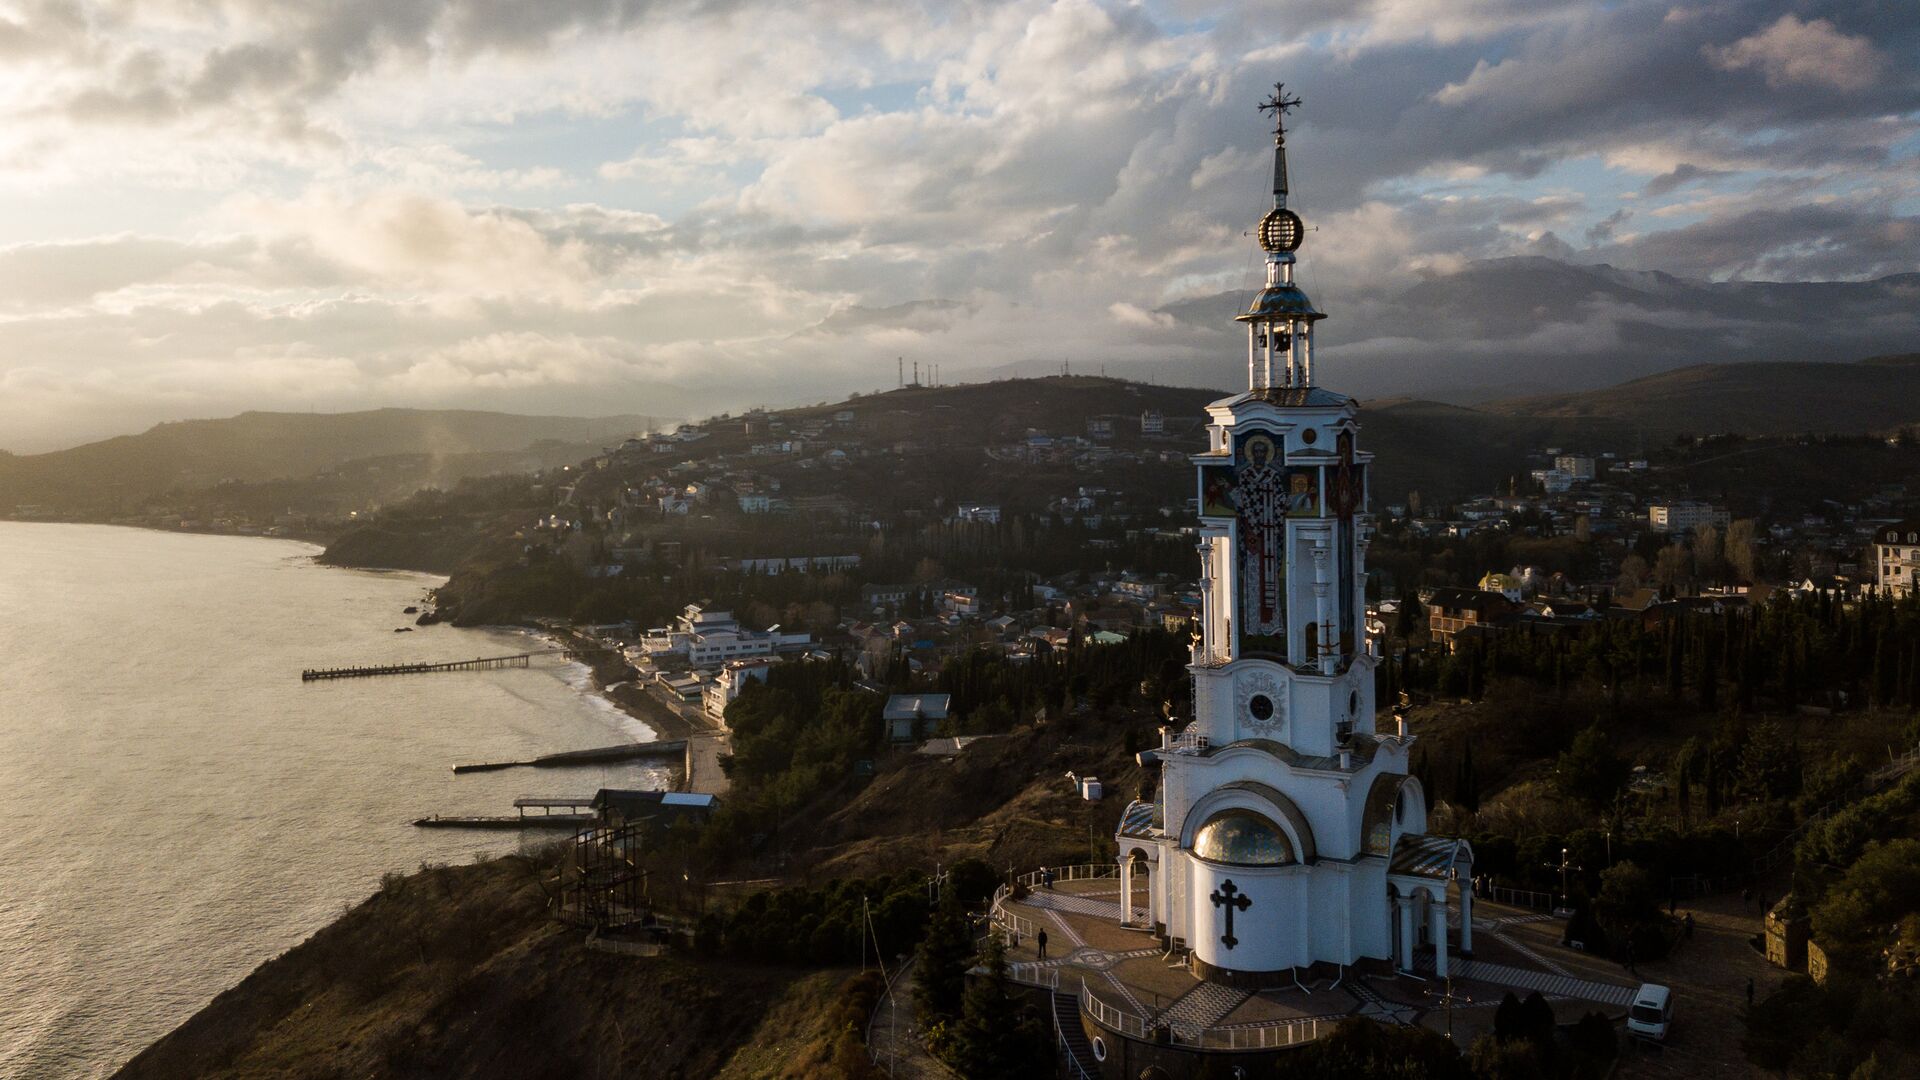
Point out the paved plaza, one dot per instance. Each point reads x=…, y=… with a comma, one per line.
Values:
x=1127, y=970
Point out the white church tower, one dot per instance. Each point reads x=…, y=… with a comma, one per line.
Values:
x=1286, y=833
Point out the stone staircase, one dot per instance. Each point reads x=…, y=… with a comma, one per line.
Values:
x=1202, y=1007
x=1073, y=1039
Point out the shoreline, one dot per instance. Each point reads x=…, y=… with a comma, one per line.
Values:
x=320, y=538
x=612, y=678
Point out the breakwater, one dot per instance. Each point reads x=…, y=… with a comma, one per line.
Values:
x=598, y=755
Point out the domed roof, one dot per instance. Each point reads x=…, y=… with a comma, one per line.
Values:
x=1279, y=301
x=1242, y=837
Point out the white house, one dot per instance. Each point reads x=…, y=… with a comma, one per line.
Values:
x=733, y=678
x=911, y=717
x=1896, y=557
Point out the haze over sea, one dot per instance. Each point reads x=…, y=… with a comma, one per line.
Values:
x=176, y=807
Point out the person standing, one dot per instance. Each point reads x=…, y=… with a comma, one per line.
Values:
x=1040, y=939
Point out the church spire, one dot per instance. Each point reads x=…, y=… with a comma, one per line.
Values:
x=1280, y=322
x=1278, y=104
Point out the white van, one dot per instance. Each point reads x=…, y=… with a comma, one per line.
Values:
x=1651, y=1013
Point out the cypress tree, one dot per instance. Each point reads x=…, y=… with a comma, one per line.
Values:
x=993, y=1041
x=945, y=955
x=1466, y=787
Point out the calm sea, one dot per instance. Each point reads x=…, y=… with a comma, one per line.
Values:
x=176, y=807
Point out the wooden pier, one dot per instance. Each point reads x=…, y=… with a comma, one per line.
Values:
x=483, y=663
x=598, y=755
x=479, y=663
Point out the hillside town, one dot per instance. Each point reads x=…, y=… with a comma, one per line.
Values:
x=1621, y=538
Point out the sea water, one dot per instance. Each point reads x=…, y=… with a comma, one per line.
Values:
x=177, y=807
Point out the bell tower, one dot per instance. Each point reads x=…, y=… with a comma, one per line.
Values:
x=1280, y=322
x=1283, y=489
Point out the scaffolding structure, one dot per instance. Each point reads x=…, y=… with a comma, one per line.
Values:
x=603, y=887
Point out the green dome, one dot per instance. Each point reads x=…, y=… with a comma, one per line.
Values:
x=1241, y=837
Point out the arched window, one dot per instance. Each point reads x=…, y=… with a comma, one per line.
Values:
x=1239, y=837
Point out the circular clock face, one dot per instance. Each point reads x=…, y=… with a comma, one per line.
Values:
x=1281, y=230
x=1261, y=706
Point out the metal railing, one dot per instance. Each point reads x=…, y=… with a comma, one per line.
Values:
x=1007, y=920
x=1187, y=742
x=1265, y=1036
x=1077, y=872
x=1047, y=977
x=1060, y=1042
x=1108, y=1017
x=1021, y=926
x=1526, y=898
x=1211, y=657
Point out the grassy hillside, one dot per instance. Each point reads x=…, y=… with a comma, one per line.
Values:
x=261, y=446
x=459, y=972
x=1775, y=398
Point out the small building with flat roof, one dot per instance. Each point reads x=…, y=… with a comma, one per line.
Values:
x=910, y=717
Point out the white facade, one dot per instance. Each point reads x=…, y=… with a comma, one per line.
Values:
x=727, y=685
x=1286, y=832
x=1896, y=557
x=1685, y=516
x=711, y=638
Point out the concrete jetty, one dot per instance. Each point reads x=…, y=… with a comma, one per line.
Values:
x=598, y=755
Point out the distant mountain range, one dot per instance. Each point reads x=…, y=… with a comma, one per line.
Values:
x=1531, y=326
x=257, y=446
x=1876, y=394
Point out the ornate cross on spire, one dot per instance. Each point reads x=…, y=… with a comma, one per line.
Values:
x=1278, y=104
x=1229, y=897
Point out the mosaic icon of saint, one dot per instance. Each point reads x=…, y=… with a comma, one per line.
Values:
x=1260, y=496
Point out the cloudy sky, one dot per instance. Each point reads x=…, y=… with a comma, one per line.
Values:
x=661, y=207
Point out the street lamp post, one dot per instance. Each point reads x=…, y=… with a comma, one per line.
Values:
x=1566, y=865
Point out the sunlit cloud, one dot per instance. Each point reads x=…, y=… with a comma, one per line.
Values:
x=627, y=206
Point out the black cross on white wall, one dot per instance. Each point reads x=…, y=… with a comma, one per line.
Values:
x=1228, y=897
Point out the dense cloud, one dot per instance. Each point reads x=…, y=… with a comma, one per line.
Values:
x=656, y=205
